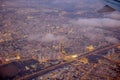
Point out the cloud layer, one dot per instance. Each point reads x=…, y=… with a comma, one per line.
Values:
x=97, y=22
x=48, y=37
x=97, y=28
x=51, y=37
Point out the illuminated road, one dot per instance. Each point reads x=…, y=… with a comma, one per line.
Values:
x=46, y=70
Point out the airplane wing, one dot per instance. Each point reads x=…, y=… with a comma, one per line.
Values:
x=106, y=8
x=110, y=5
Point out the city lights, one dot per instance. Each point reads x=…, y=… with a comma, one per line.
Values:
x=74, y=56
x=90, y=48
x=59, y=40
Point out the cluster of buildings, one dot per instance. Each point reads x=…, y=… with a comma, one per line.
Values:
x=34, y=37
x=86, y=68
x=104, y=65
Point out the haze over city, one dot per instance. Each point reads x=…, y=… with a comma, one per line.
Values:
x=59, y=40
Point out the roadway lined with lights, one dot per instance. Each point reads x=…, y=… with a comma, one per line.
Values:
x=51, y=68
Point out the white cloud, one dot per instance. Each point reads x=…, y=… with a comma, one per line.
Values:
x=35, y=37
x=97, y=22
x=93, y=28
x=111, y=39
x=113, y=15
x=51, y=37
x=46, y=37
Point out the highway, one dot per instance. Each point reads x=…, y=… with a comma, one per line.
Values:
x=51, y=68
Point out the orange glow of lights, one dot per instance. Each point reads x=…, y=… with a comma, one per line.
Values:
x=7, y=60
x=118, y=47
x=18, y=57
x=90, y=48
x=74, y=56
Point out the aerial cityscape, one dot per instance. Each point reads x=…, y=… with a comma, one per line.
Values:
x=59, y=40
